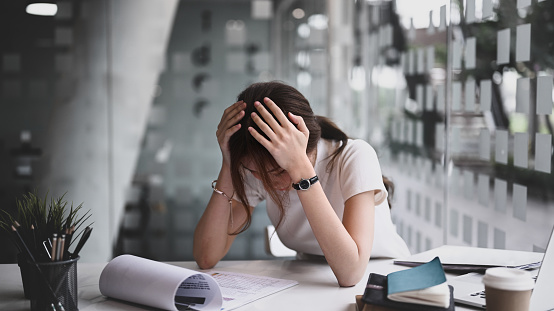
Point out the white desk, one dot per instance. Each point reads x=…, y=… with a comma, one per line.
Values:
x=317, y=289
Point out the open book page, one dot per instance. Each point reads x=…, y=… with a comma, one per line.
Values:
x=438, y=295
x=159, y=285
x=239, y=289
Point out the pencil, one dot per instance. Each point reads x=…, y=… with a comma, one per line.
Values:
x=33, y=233
x=68, y=238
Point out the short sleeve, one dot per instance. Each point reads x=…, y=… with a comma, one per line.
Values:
x=359, y=171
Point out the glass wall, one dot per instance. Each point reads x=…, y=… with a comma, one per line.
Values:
x=456, y=96
x=75, y=93
x=465, y=91
x=54, y=104
x=116, y=104
x=215, y=50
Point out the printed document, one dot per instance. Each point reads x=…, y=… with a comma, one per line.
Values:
x=174, y=288
x=239, y=289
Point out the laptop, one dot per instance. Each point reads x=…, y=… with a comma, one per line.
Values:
x=469, y=288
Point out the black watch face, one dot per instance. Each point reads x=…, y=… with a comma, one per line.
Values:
x=304, y=184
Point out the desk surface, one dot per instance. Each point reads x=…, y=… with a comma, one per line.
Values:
x=317, y=289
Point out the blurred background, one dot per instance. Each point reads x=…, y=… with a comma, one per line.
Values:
x=116, y=103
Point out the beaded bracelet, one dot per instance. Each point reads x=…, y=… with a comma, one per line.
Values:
x=229, y=199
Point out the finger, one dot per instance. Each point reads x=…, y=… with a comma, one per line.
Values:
x=232, y=111
x=260, y=138
x=232, y=115
x=267, y=117
x=299, y=122
x=276, y=111
x=230, y=123
x=236, y=118
x=232, y=130
x=224, y=137
x=233, y=108
x=264, y=126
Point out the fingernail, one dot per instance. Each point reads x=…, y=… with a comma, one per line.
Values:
x=257, y=103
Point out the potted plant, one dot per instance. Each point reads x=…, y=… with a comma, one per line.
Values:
x=44, y=230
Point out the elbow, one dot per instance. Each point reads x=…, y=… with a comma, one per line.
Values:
x=204, y=262
x=204, y=259
x=350, y=277
x=349, y=281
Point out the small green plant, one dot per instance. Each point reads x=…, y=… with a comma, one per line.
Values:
x=39, y=220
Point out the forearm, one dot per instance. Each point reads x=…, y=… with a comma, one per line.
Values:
x=347, y=253
x=345, y=256
x=211, y=236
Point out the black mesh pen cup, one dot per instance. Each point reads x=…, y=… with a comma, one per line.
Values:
x=25, y=268
x=62, y=276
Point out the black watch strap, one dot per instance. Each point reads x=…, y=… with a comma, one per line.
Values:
x=305, y=184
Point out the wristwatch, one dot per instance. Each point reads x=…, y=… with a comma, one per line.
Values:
x=305, y=184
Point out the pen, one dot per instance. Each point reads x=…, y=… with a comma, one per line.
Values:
x=61, y=247
x=54, y=247
x=82, y=241
x=46, y=249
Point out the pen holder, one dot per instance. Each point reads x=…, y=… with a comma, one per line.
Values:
x=62, y=276
x=25, y=269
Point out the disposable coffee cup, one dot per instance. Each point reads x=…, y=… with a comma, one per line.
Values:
x=508, y=289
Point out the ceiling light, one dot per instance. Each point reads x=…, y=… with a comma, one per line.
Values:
x=298, y=13
x=303, y=31
x=318, y=21
x=42, y=9
x=304, y=79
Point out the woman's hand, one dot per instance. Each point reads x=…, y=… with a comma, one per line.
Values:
x=287, y=138
x=227, y=127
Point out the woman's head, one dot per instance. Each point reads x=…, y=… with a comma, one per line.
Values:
x=247, y=154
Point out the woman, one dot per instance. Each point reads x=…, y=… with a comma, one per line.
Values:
x=325, y=193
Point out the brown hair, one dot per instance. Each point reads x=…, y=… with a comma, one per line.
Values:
x=244, y=146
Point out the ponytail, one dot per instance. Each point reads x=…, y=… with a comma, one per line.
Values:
x=330, y=131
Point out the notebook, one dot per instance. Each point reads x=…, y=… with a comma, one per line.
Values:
x=469, y=288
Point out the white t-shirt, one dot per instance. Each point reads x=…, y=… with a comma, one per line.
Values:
x=356, y=171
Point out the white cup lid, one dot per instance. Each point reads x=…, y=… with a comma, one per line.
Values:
x=508, y=279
